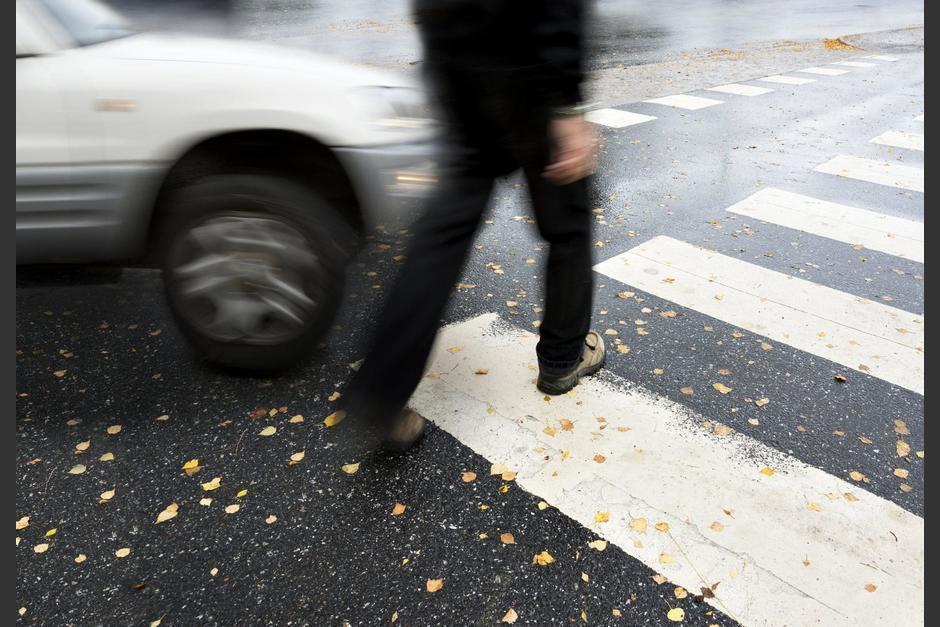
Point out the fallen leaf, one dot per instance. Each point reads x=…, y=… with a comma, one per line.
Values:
x=864, y=440
x=753, y=421
x=905, y=488
x=60, y=373
x=767, y=471
x=543, y=559
x=840, y=378
x=41, y=548
x=481, y=371
x=296, y=458
x=665, y=558
x=468, y=476
x=920, y=454
x=241, y=493
x=662, y=526
x=598, y=545
x=600, y=459
x=549, y=431
x=903, y=448
x=616, y=612
x=721, y=429
x=231, y=509
x=398, y=509
x=271, y=519
x=870, y=587
x=509, y=475
x=168, y=513
x=900, y=428
x=212, y=485
x=667, y=314
x=80, y=558
x=335, y=418
x=765, y=346
x=107, y=495
x=205, y=502
x=611, y=332
x=688, y=391
x=81, y=447
x=509, y=617
x=638, y=525
x=850, y=497
x=857, y=476
x=658, y=371
x=433, y=585
x=813, y=507
x=350, y=469
x=163, y=418
x=566, y=425
x=716, y=527
x=114, y=429
x=761, y=402
x=107, y=457
x=77, y=469
x=602, y=517
x=659, y=579
x=123, y=552
x=901, y=473
x=543, y=505
x=585, y=578
x=624, y=295
x=453, y=349
x=680, y=592
x=507, y=538
x=623, y=349
x=191, y=467
x=22, y=523
x=268, y=431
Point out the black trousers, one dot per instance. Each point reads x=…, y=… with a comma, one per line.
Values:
x=481, y=148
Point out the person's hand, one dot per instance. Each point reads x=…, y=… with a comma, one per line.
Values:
x=574, y=150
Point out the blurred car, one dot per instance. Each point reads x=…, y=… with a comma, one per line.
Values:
x=247, y=172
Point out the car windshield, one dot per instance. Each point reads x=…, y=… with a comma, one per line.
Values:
x=87, y=21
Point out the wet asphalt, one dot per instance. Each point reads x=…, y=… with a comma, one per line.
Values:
x=335, y=554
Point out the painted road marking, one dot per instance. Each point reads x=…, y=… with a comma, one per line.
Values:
x=867, y=336
x=684, y=101
x=855, y=63
x=881, y=57
x=616, y=118
x=880, y=172
x=787, y=80
x=740, y=90
x=900, y=139
x=669, y=467
x=920, y=118
x=825, y=71
x=874, y=231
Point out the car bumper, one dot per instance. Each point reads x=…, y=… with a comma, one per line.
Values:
x=391, y=181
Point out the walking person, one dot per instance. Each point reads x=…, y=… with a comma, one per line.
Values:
x=507, y=75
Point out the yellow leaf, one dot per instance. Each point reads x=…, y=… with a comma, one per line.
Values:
x=680, y=592
x=638, y=525
x=51, y=532
x=241, y=493
x=399, y=509
x=903, y=448
x=659, y=579
x=350, y=469
x=585, y=578
x=850, y=497
x=676, y=614
x=905, y=488
x=723, y=429
x=271, y=519
x=468, y=476
x=83, y=446
x=688, y=391
x=163, y=418
x=60, y=373
x=598, y=545
x=22, y=523
x=549, y=431
x=212, y=485
x=191, y=464
x=765, y=346
x=565, y=454
x=611, y=332
x=601, y=517
x=623, y=348
x=296, y=419
x=761, y=402
x=813, y=507
x=507, y=538
x=206, y=502
x=767, y=471
x=509, y=617
x=616, y=612
x=268, y=431
x=41, y=548
x=168, y=513
x=80, y=558
x=662, y=526
x=497, y=469
x=231, y=509
x=665, y=558
x=543, y=505
x=667, y=314
x=433, y=585
x=716, y=526
x=107, y=457
x=900, y=472
x=124, y=552
x=335, y=418
x=900, y=428
x=724, y=389
x=114, y=429
x=77, y=469
x=453, y=349
x=543, y=559
x=857, y=476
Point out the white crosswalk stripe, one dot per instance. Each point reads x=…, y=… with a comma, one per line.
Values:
x=872, y=230
x=824, y=71
x=855, y=63
x=787, y=80
x=616, y=118
x=901, y=139
x=880, y=172
x=684, y=101
x=881, y=57
x=920, y=118
x=740, y=90
x=870, y=337
x=792, y=544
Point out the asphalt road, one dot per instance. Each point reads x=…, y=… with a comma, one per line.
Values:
x=312, y=544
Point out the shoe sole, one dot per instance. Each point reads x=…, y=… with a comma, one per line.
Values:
x=557, y=390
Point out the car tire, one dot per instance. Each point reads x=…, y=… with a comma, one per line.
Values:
x=254, y=269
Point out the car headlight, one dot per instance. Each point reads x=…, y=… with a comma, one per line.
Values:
x=393, y=107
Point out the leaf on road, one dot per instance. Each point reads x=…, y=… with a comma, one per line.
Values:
x=77, y=469
x=662, y=526
x=398, y=509
x=107, y=457
x=813, y=506
x=550, y=431
x=433, y=585
x=507, y=538
x=903, y=448
x=114, y=429
x=192, y=466
x=870, y=587
x=688, y=391
x=60, y=373
x=22, y=523
x=212, y=485
x=724, y=389
x=543, y=559
x=468, y=476
x=566, y=425
x=767, y=471
x=350, y=469
x=296, y=419
x=231, y=509
x=716, y=527
x=680, y=592
x=543, y=505
x=80, y=558
x=600, y=459
x=598, y=545
x=335, y=418
x=856, y=476
x=659, y=579
x=509, y=617
x=122, y=552
x=296, y=458
x=900, y=428
x=268, y=431
x=41, y=548
x=271, y=519
x=761, y=402
x=602, y=517
x=170, y=512
x=498, y=469
x=667, y=314
x=900, y=473
x=721, y=429
x=81, y=447
x=666, y=558
x=638, y=525
x=205, y=502
x=107, y=495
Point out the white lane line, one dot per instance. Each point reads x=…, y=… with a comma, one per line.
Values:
x=683, y=101
x=776, y=559
x=855, y=63
x=920, y=118
x=787, y=80
x=901, y=139
x=616, y=118
x=740, y=90
x=880, y=172
x=824, y=71
x=881, y=57
x=867, y=336
x=874, y=231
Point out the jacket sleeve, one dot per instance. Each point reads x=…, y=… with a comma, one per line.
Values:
x=558, y=29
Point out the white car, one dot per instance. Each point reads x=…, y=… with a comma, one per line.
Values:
x=246, y=171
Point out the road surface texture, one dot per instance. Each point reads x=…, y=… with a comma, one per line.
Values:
x=752, y=454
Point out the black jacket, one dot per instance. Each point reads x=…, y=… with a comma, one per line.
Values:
x=538, y=43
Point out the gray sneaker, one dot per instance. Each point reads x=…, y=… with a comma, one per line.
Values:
x=592, y=360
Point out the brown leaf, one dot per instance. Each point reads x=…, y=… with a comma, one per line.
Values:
x=399, y=509
x=468, y=476
x=566, y=425
x=901, y=473
x=688, y=391
x=870, y=587
x=509, y=617
x=903, y=448
x=433, y=585
x=900, y=428
x=507, y=538
x=600, y=459
x=22, y=523
x=840, y=378
x=659, y=579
